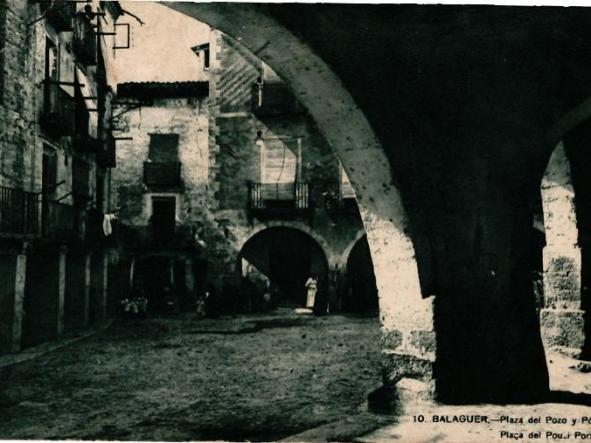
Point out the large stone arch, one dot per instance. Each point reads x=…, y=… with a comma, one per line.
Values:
x=406, y=318
x=243, y=237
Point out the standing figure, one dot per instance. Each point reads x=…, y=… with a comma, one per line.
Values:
x=311, y=286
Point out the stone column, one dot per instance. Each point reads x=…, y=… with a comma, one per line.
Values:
x=104, y=284
x=61, y=291
x=87, y=269
x=12, y=273
x=562, y=317
x=406, y=318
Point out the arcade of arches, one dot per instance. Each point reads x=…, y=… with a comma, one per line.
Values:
x=447, y=185
x=280, y=259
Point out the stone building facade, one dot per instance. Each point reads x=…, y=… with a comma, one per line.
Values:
x=56, y=154
x=272, y=168
x=161, y=186
x=260, y=194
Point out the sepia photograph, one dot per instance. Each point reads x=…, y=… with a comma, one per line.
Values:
x=305, y=222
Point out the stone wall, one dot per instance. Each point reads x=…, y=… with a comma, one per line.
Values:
x=17, y=93
x=189, y=119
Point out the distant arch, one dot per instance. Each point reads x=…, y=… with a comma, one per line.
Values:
x=279, y=260
x=302, y=227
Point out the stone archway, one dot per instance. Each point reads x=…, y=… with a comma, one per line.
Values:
x=561, y=316
x=406, y=318
x=243, y=237
x=279, y=260
x=359, y=294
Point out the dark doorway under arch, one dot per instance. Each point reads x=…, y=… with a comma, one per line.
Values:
x=360, y=292
x=283, y=259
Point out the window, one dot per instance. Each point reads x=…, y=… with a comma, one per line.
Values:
x=51, y=77
x=163, y=148
x=163, y=218
x=51, y=61
x=278, y=163
x=81, y=180
x=48, y=171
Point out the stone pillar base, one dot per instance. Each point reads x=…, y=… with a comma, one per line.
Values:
x=407, y=396
x=562, y=328
x=408, y=382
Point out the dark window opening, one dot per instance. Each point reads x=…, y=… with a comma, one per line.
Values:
x=51, y=76
x=49, y=171
x=163, y=219
x=81, y=181
x=163, y=148
x=82, y=116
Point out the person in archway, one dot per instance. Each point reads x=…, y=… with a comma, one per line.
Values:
x=311, y=288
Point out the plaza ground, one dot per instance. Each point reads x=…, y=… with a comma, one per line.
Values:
x=232, y=378
x=255, y=377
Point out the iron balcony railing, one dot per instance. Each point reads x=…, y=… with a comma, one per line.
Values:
x=85, y=40
x=57, y=116
x=264, y=195
x=165, y=174
x=19, y=212
x=274, y=99
x=26, y=214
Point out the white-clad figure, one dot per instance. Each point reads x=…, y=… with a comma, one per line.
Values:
x=311, y=286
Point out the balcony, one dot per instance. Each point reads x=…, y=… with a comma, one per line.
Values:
x=161, y=175
x=60, y=221
x=19, y=213
x=152, y=239
x=85, y=41
x=57, y=116
x=60, y=14
x=275, y=200
x=274, y=99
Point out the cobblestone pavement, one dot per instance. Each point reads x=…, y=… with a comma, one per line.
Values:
x=248, y=377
